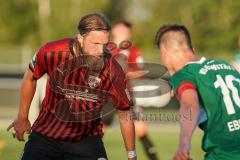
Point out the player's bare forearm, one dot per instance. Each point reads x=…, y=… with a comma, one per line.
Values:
x=189, y=113
x=22, y=124
x=26, y=94
x=127, y=129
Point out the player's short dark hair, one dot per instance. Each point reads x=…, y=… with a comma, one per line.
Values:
x=93, y=22
x=175, y=28
x=125, y=23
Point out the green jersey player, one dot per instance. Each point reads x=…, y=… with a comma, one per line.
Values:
x=208, y=91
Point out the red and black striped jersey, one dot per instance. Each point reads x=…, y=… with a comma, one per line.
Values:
x=75, y=95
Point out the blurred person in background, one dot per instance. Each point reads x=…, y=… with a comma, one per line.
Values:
x=131, y=59
x=236, y=61
x=82, y=75
x=208, y=92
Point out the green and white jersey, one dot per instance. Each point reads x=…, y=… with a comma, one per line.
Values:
x=218, y=87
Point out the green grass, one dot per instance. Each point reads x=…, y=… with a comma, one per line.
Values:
x=164, y=136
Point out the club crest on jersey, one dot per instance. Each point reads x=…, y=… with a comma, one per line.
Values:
x=93, y=81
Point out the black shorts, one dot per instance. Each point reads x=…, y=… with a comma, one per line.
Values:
x=39, y=147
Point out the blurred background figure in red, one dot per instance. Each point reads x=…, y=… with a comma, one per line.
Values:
x=236, y=62
x=131, y=59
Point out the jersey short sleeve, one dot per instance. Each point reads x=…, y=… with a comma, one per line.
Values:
x=37, y=64
x=180, y=77
x=135, y=55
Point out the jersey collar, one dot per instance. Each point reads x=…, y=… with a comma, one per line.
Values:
x=197, y=62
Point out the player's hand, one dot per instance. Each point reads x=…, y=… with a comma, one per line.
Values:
x=183, y=153
x=20, y=126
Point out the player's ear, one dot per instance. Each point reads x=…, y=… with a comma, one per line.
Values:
x=163, y=51
x=80, y=38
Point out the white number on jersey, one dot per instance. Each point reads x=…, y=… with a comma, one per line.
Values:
x=227, y=87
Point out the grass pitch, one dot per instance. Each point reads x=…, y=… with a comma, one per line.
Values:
x=164, y=136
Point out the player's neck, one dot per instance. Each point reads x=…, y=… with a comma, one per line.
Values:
x=182, y=61
x=191, y=58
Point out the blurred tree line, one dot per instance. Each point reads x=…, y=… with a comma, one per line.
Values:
x=214, y=24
